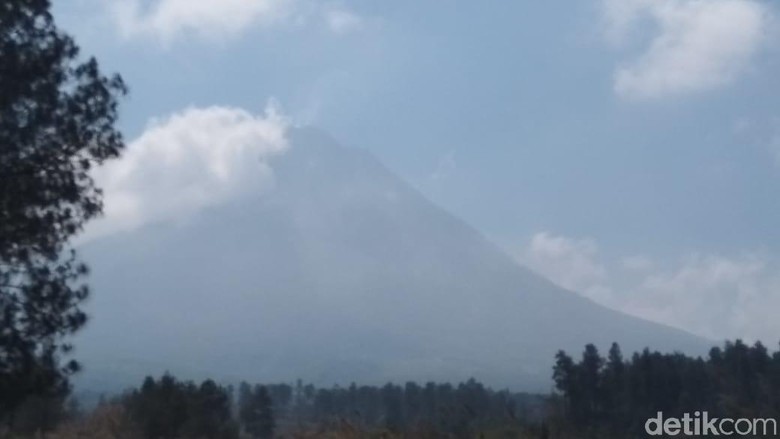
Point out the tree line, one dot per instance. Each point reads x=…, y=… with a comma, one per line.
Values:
x=613, y=397
x=171, y=408
x=594, y=397
x=460, y=410
x=167, y=407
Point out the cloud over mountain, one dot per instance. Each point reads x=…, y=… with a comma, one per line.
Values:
x=189, y=160
x=342, y=273
x=712, y=295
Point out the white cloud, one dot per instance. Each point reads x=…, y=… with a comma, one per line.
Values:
x=211, y=19
x=711, y=295
x=571, y=263
x=168, y=20
x=707, y=294
x=343, y=21
x=190, y=160
x=697, y=44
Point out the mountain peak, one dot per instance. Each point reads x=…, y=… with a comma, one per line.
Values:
x=342, y=272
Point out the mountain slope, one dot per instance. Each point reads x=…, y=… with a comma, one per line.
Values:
x=340, y=273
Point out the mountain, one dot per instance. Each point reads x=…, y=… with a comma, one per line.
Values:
x=340, y=273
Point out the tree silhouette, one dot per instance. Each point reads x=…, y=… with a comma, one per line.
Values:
x=57, y=121
x=737, y=381
x=255, y=411
x=168, y=408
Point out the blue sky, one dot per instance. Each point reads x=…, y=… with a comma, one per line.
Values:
x=627, y=149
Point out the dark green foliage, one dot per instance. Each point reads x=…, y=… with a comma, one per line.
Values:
x=282, y=396
x=168, y=408
x=461, y=411
x=614, y=398
x=57, y=117
x=393, y=399
x=255, y=410
x=39, y=413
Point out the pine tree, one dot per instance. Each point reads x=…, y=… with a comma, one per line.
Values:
x=590, y=378
x=614, y=388
x=57, y=121
x=566, y=380
x=256, y=411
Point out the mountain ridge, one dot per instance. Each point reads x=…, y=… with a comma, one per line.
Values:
x=342, y=272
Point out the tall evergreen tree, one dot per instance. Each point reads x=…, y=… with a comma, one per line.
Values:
x=57, y=121
x=209, y=412
x=566, y=380
x=614, y=385
x=256, y=411
x=737, y=381
x=590, y=378
x=168, y=408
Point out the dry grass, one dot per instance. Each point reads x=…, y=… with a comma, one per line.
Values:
x=345, y=430
x=105, y=422
x=111, y=422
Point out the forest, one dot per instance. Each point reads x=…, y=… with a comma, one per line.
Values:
x=595, y=396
